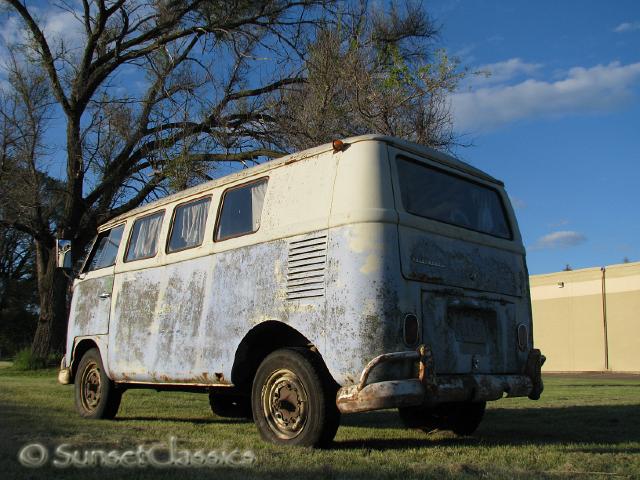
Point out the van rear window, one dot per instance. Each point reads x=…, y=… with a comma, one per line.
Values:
x=432, y=193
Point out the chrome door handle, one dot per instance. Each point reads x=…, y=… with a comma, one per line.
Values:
x=104, y=295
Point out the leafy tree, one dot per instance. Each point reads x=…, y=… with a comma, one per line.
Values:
x=373, y=70
x=18, y=291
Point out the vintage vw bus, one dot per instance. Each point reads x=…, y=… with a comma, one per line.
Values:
x=366, y=274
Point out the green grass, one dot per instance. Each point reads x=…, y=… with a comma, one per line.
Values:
x=581, y=428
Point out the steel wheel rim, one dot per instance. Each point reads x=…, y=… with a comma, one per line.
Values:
x=90, y=387
x=285, y=404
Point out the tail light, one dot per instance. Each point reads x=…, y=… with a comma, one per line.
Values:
x=411, y=330
x=523, y=336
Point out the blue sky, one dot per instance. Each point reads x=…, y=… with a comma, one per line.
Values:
x=558, y=120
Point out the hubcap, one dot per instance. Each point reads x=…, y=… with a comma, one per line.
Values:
x=285, y=403
x=90, y=387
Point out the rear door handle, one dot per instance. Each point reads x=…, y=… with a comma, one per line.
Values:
x=104, y=295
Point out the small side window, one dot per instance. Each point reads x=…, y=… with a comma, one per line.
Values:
x=105, y=249
x=241, y=210
x=143, y=242
x=189, y=221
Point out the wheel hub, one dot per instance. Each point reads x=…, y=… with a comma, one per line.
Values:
x=91, y=387
x=284, y=402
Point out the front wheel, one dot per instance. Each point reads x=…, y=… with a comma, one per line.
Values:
x=96, y=396
x=293, y=399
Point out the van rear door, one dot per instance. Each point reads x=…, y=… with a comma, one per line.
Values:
x=457, y=239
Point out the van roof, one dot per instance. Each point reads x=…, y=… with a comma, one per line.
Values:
x=430, y=153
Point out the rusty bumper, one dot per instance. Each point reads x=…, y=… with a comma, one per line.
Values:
x=431, y=389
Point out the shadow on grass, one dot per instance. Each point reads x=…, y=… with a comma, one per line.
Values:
x=603, y=424
x=196, y=421
x=597, y=428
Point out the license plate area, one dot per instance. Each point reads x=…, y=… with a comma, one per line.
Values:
x=472, y=327
x=469, y=333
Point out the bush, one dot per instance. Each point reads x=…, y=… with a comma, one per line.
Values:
x=25, y=360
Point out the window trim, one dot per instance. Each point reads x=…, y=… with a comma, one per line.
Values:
x=221, y=206
x=133, y=225
x=464, y=179
x=173, y=217
x=89, y=257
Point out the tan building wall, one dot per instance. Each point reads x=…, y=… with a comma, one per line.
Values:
x=589, y=319
x=623, y=316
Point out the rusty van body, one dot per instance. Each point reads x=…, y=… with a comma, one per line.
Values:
x=372, y=273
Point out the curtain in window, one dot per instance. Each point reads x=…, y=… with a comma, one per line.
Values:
x=145, y=245
x=258, y=191
x=486, y=222
x=194, y=218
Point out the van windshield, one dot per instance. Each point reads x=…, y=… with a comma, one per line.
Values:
x=432, y=193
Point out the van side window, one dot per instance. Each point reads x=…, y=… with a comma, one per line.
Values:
x=241, y=210
x=189, y=220
x=105, y=249
x=143, y=242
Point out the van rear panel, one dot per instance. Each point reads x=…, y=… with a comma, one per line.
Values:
x=459, y=243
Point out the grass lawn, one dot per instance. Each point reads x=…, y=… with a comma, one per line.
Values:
x=581, y=428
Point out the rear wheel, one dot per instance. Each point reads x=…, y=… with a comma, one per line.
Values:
x=463, y=418
x=230, y=405
x=294, y=399
x=96, y=396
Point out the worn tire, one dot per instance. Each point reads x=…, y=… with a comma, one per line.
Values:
x=96, y=396
x=294, y=399
x=463, y=418
x=230, y=405
x=467, y=417
x=423, y=418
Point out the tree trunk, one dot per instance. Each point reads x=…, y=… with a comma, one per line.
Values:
x=52, y=289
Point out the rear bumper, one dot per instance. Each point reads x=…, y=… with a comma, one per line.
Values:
x=431, y=389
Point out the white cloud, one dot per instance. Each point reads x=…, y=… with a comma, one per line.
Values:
x=501, y=72
x=560, y=239
x=63, y=25
x=627, y=27
x=596, y=89
x=56, y=24
x=11, y=30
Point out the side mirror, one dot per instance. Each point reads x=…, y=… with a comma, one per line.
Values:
x=63, y=254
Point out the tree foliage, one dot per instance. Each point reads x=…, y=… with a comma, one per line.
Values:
x=373, y=71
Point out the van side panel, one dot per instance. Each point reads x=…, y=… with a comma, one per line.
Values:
x=365, y=300
x=181, y=322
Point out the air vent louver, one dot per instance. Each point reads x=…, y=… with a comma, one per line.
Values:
x=305, y=267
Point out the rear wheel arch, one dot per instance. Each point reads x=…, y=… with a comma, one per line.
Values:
x=262, y=340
